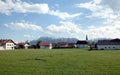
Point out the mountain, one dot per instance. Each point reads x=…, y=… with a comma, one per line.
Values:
x=53, y=40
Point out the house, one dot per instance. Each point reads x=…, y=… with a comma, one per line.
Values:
x=46, y=45
x=113, y=44
x=22, y=45
x=82, y=44
x=72, y=45
x=62, y=45
x=7, y=44
x=56, y=45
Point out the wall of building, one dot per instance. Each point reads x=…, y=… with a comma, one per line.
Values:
x=82, y=46
x=9, y=46
x=47, y=47
x=2, y=48
x=108, y=47
x=26, y=46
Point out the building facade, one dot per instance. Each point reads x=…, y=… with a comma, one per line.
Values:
x=46, y=45
x=113, y=44
x=7, y=44
x=82, y=44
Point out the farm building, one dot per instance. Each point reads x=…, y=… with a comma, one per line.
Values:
x=82, y=44
x=46, y=45
x=22, y=45
x=7, y=44
x=108, y=44
x=64, y=45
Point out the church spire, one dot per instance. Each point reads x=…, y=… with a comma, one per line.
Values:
x=86, y=38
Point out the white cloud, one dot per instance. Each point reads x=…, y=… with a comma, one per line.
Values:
x=97, y=1
x=114, y=4
x=64, y=27
x=24, y=26
x=64, y=15
x=92, y=6
x=18, y=6
x=27, y=36
x=70, y=29
x=106, y=31
x=106, y=9
x=97, y=9
x=10, y=6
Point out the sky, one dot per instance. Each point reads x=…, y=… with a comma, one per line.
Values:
x=22, y=20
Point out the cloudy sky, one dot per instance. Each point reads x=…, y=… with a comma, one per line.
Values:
x=29, y=19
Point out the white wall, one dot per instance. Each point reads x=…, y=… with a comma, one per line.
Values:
x=108, y=47
x=2, y=48
x=82, y=46
x=46, y=47
x=50, y=46
x=9, y=46
x=26, y=46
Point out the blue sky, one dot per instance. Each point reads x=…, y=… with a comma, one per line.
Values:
x=22, y=20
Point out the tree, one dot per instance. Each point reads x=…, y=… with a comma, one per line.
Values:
x=38, y=44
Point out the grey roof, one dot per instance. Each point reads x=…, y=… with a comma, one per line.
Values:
x=109, y=42
x=82, y=42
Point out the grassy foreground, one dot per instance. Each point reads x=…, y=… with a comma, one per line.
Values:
x=60, y=62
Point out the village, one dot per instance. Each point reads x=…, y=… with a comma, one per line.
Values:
x=112, y=44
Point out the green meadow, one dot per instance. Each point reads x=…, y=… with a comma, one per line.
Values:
x=60, y=62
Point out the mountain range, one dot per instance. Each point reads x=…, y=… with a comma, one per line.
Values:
x=53, y=40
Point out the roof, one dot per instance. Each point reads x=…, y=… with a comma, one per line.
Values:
x=45, y=43
x=82, y=42
x=109, y=42
x=62, y=43
x=4, y=41
x=22, y=43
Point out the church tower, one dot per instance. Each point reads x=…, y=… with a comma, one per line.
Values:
x=86, y=38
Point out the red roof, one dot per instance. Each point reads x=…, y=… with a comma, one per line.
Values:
x=45, y=43
x=22, y=43
x=62, y=43
x=4, y=41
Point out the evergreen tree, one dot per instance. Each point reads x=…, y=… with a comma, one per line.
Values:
x=38, y=44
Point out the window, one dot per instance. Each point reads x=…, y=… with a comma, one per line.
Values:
x=7, y=44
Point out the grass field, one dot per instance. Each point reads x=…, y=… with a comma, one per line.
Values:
x=60, y=62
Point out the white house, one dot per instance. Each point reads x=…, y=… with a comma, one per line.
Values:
x=7, y=44
x=82, y=44
x=46, y=45
x=113, y=44
x=22, y=45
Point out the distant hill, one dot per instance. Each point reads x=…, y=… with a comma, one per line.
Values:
x=54, y=40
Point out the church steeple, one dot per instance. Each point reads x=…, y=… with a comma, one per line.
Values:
x=86, y=38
